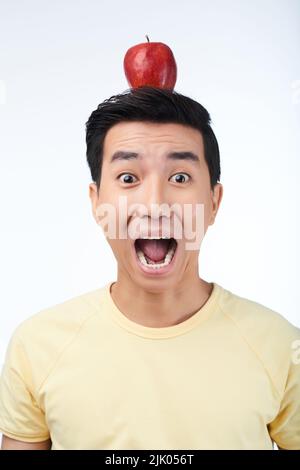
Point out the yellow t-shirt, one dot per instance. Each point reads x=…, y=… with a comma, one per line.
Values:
x=83, y=374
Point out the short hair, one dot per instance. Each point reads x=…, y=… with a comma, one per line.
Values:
x=149, y=104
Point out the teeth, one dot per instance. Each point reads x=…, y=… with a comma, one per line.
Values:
x=155, y=238
x=167, y=260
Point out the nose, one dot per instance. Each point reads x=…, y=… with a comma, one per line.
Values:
x=153, y=196
x=151, y=206
x=154, y=191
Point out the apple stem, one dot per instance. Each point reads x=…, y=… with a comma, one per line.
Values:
x=147, y=38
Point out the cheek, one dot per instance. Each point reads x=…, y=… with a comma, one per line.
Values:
x=207, y=214
x=196, y=218
x=118, y=247
x=201, y=210
x=113, y=222
x=205, y=199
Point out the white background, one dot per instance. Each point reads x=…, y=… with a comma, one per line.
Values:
x=59, y=59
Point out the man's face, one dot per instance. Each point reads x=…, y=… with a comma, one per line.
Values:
x=163, y=166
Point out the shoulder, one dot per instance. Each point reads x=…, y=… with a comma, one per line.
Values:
x=271, y=337
x=254, y=318
x=65, y=317
x=39, y=340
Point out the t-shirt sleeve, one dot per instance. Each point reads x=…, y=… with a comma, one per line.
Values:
x=285, y=428
x=20, y=416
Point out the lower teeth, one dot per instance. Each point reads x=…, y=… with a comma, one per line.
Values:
x=168, y=259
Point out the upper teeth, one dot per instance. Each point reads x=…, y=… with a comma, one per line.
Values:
x=155, y=238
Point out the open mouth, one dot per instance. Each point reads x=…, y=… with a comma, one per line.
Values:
x=155, y=253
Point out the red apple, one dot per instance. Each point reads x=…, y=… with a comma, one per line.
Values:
x=151, y=64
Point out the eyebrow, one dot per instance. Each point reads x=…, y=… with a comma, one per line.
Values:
x=186, y=155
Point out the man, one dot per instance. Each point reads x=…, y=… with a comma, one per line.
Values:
x=159, y=358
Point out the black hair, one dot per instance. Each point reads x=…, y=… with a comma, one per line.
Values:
x=149, y=104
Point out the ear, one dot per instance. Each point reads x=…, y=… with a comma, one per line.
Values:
x=94, y=197
x=217, y=194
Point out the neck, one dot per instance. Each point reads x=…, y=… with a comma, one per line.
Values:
x=160, y=308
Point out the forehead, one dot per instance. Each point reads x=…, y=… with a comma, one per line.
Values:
x=141, y=136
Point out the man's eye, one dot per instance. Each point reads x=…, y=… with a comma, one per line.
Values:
x=180, y=177
x=127, y=178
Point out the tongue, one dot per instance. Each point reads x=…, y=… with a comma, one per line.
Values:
x=155, y=250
